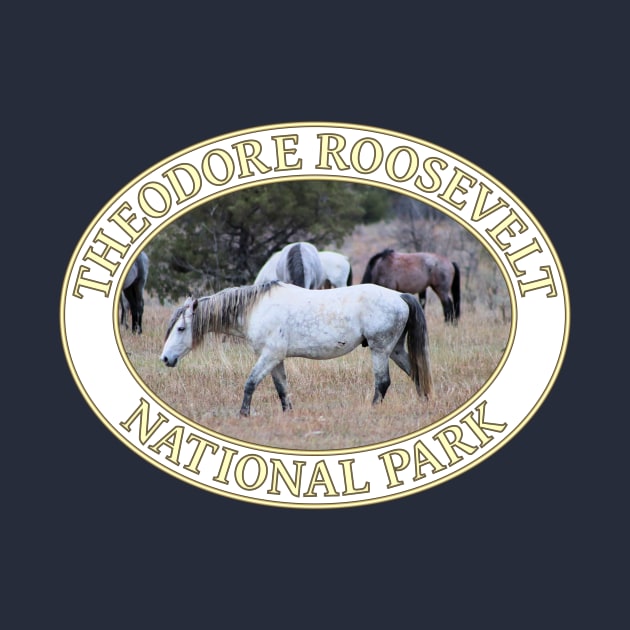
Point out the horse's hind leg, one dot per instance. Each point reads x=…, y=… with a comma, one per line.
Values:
x=136, y=306
x=279, y=376
x=447, y=306
x=449, y=310
x=400, y=357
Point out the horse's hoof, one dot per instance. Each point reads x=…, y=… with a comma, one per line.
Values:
x=243, y=414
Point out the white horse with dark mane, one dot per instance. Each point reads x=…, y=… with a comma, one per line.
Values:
x=336, y=268
x=281, y=320
x=297, y=263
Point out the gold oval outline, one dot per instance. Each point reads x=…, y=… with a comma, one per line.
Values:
x=475, y=461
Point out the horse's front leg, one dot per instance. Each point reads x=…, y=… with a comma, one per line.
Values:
x=380, y=366
x=422, y=298
x=262, y=367
x=279, y=376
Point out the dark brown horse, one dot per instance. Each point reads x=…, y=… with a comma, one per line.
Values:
x=413, y=273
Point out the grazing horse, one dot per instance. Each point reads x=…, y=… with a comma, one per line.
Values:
x=267, y=272
x=413, y=273
x=132, y=297
x=297, y=263
x=337, y=270
x=280, y=320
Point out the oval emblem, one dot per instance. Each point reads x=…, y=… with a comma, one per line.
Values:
x=402, y=358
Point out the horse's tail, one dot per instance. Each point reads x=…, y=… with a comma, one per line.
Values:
x=349, y=280
x=455, y=290
x=418, y=346
x=367, y=276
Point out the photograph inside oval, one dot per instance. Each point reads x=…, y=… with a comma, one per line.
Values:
x=315, y=315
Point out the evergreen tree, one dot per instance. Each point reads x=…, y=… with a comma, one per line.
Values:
x=225, y=241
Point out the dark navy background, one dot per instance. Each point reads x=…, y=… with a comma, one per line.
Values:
x=99, y=536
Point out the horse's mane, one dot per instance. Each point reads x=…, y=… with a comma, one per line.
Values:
x=295, y=265
x=226, y=310
x=367, y=276
x=222, y=311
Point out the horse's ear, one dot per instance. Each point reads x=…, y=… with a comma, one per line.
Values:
x=191, y=303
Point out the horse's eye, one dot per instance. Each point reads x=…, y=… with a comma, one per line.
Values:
x=181, y=328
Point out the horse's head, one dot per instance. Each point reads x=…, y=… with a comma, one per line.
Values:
x=179, y=334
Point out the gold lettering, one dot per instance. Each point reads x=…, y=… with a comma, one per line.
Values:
x=455, y=186
x=479, y=212
x=327, y=150
x=449, y=446
x=239, y=472
x=348, y=479
x=282, y=151
x=228, y=164
x=174, y=179
x=245, y=158
x=412, y=168
x=173, y=441
x=547, y=281
x=125, y=224
x=436, y=181
x=110, y=244
x=279, y=470
x=228, y=456
x=391, y=468
x=321, y=477
x=142, y=412
x=514, y=257
x=424, y=456
x=200, y=449
x=506, y=226
x=479, y=426
x=377, y=157
x=162, y=192
x=86, y=283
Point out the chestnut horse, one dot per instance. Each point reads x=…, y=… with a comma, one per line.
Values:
x=413, y=273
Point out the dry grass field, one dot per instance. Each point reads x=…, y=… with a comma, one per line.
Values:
x=331, y=399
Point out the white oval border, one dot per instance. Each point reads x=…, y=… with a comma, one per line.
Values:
x=347, y=477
